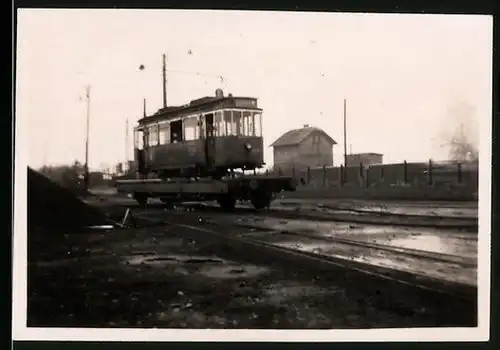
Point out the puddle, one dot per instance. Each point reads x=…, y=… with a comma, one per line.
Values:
x=320, y=227
x=430, y=240
x=435, y=243
x=232, y=271
x=442, y=270
x=464, y=213
x=154, y=259
x=211, y=267
x=203, y=261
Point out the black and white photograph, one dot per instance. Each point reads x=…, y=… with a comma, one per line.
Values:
x=224, y=175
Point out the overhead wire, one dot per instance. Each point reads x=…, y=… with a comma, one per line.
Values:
x=220, y=77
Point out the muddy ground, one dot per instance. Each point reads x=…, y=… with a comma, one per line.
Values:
x=169, y=277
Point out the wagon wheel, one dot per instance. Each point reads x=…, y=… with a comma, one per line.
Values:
x=260, y=200
x=227, y=203
x=169, y=204
x=141, y=199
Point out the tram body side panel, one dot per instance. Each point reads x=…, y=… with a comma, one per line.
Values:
x=231, y=150
x=185, y=154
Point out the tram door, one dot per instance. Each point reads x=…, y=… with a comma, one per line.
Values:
x=209, y=140
x=141, y=141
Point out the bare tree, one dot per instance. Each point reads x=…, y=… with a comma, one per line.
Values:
x=461, y=149
x=68, y=176
x=461, y=143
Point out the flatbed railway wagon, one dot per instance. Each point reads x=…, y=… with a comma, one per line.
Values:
x=203, y=151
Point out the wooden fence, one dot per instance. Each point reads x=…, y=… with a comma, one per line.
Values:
x=401, y=174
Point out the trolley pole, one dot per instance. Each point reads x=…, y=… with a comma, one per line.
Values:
x=86, y=176
x=164, y=80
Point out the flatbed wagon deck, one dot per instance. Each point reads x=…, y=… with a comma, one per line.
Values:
x=258, y=189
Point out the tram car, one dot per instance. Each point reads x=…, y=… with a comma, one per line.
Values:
x=200, y=151
x=208, y=137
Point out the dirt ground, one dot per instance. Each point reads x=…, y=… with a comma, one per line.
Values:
x=161, y=277
x=168, y=276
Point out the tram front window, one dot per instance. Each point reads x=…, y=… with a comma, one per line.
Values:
x=227, y=123
x=219, y=124
x=236, y=124
x=247, y=124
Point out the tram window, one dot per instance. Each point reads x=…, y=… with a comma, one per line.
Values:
x=220, y=127
x=227, y=123
x=236, y=124
x=153, y=135
x=176, y=134
x=246, y=122
x=258, y=124
x=164, y=134
x=251, y=124
x=190, y=128
x=138, y=138
x=201, y=127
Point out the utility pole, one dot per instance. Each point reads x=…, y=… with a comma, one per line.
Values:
x=126, y=143
x=345, y=135
x=86, y=178
x=164, y=81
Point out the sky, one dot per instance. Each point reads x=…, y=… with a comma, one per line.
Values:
x=409, y=80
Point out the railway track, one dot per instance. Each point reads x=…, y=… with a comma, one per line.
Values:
x=246, y=239
x=331, y=215
x=417, y=253
x=326, y=208
x=387, y=290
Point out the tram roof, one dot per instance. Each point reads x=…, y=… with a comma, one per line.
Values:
x=204, y=104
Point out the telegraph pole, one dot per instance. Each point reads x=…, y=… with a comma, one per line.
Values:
x=345, y=135
x=164, y=80
x=126, y=142
x=86, y=178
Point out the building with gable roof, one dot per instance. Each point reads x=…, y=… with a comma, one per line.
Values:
x=302, y=148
